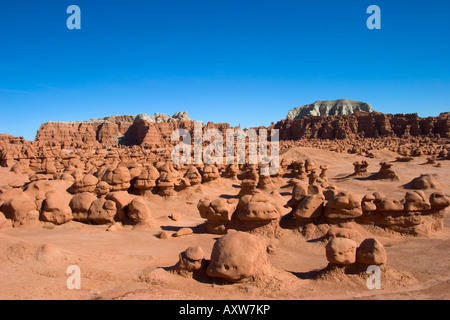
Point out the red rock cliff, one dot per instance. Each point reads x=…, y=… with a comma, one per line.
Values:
x=367, y=125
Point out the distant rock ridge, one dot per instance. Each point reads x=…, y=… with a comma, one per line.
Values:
x=156, y=118
x=341, y=107
x=155, y=131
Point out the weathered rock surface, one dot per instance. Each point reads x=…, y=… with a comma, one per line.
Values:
x=340, y=107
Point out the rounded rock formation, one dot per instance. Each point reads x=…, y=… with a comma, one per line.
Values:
x=238, y=255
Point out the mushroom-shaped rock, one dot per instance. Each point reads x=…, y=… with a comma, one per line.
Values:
x=299, y=191
x=80, y=204
x=232, y=171
x=368, y=204
x=371, y=252
x=360, y=168
x=87, y=184
x=146, y=181
x=118, y=179
x=193, y=176
x=218, y=212
x=210, y=173
x=323, y=173
x=191, y=260
x=166, y=182
x=238, y=255
x=309, y=165
x=102, y=189
x=312, y=177
x=257, y=207
x=345, y=205
x=250, y=179
x=416, y=201
x=438, y=199
x=298, y=169
x=139, y=211
x=102, y=211
x=341, y=251
x=55, y=208
x=386, y=172
x=216, y=209
x=265, y=182
x=310, y=207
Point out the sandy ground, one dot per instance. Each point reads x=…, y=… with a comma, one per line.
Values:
x=133, y=263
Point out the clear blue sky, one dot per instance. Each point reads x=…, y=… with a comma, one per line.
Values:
x=243, y=62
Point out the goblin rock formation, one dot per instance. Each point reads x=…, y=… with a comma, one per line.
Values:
x=237, y=256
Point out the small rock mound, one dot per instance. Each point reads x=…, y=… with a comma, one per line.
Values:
x=424, y=182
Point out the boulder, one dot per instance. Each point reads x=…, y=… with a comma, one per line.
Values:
x=102, y=189
x=118, y=179
x=102, y=211
x=371, y=252
x=238, y=255
x=416, y=201
x=345, y=205
x=310, y=207
x=423, y=182
x=146, y=180
x=216, y=209
x=183, y=232
x=87, y=184
x=438, y=199
x=257, y=207
x=122, y=200
x=55, y=208
x=18, y=207
x=341, y=251
x=80, y=205
x=139, y=211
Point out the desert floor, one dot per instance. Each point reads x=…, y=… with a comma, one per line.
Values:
x=133, y=263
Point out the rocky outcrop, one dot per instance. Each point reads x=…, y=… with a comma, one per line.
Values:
x=330, y=108
x=112, y=130
x=362, y=124
x=341, y=119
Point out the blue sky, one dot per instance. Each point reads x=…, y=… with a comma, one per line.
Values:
x=243, y=62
